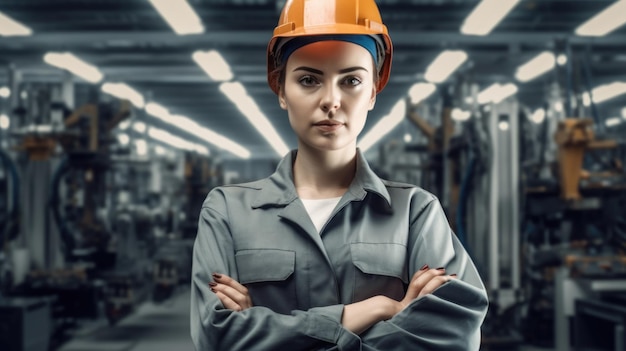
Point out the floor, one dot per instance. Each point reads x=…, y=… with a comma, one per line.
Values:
x=162, y=327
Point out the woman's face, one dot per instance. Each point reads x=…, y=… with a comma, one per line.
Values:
x=328, y=91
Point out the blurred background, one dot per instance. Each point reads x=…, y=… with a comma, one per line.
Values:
x=117, y=117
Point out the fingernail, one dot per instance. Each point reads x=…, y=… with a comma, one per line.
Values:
x=217, y=276
x=212, y=284
x=441, y=269
x=213, y=290
x=424, y=267
x=453, y=275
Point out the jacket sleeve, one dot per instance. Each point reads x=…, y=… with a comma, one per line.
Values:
x=448, y=319
x=215, y=328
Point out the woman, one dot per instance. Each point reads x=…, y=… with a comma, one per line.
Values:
x=323, y=254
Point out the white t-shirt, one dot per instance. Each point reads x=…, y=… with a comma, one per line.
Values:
x=320, y=210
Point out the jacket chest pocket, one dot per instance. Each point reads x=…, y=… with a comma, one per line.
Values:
x=380, y=269
x=268, y=275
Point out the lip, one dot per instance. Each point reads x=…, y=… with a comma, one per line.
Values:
x=328, y=126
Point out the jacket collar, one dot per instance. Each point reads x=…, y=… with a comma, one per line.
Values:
x=279, y=188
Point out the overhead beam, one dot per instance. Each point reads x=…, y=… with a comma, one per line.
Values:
x=103, y=39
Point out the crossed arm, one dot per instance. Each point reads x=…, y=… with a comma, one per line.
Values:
x=357, y=317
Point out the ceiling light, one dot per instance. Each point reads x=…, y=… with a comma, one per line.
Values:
x=188, y=125
x=142, y=147
x=558, y=106
x=170, y=139
x=179, y=15
x=538, y=116
x=496, y=93
x=421, y=91
x=460, y=115
x=246, y=105
x=561, y=59
x=69, y=62
x=140, y=127
x=123, y=138
x=157, y=110
x=613, y=121
x=5, y=122
x=537, y=66
x=608, y=91
x=201, y=149
x=444, y=65
x=609, y=19
x=486, y=16
x=503, y=125
x=124, y=125
x=407, y=138
x=586, y=99
x=159, y=150
x=213, y=64
x=5, y=92
x=384, y=126
x=123, y=91
x=10, y=27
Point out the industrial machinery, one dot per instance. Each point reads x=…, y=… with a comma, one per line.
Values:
x=91, y=226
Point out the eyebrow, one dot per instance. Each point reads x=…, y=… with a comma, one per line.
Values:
x=341, y=71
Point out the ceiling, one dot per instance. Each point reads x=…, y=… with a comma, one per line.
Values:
x=130, y=42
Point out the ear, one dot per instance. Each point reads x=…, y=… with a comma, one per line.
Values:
x=372, y=99
x=281, y=99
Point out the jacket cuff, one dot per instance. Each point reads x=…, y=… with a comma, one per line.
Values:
x=325, y=324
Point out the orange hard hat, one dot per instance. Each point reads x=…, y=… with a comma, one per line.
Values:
x=325, y=17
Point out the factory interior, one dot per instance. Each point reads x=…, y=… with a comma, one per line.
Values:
x=117, y=117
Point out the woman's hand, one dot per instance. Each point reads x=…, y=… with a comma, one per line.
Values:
x=424, y=282
x=233, y=295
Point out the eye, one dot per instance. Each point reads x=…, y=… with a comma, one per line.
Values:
x=352, y=81
x=308, y=81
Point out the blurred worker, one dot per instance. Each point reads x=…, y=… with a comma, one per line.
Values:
x=323, y=254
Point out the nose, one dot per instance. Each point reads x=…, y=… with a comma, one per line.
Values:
x=331, y=100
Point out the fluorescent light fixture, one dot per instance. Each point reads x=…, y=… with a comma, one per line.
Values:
x=237, y=94
x=496, y=93
x=213, y=64
x=5, y=122
x=69, y=62
x=608, y=91
x=179, y=15
x=538, y=116
x=124, y=125
x=384, y=126
x=486, y=16
x=5, y=92
x=175, y=141
x=609, y=19
x=142, y=147
x=188, y=125
x=537, y=66
x=123, y=91
x=123, y=138
x=407, y=138
x=157, y=110
x=140, y=127
x=460, y=115
x=613, y=121
x=444, y=65
x=421, y=91
x=503, y=125
x=586, y=99
x=558, y=106
x=160, y=150
x=10, y=27
x=561, y=59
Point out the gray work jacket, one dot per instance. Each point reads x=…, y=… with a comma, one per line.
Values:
x=377, y=237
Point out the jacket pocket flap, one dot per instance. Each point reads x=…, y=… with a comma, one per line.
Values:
x=263, y=265
x=380, y=258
